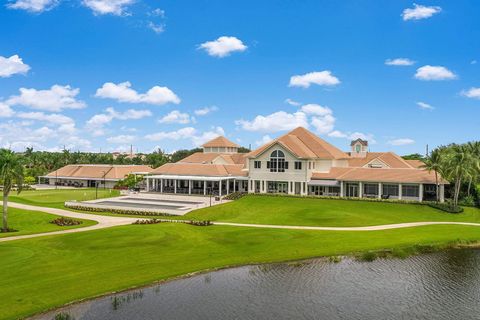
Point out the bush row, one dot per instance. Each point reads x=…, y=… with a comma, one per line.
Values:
x=148, y=221
x=204, y=223
x=64, y=221
x=447, y=207
x=116, y=211
x=235, y=195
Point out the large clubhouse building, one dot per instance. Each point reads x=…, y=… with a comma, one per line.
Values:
x=297, y=163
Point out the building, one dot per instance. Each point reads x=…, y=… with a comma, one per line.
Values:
x=91, y=175
x=298, y=163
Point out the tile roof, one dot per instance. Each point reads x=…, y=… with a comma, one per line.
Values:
x=200, y=157
x=389, y=158
x=304, y=144
x=406, y=175
x=98, y=171
x=199, y=169
x=415, y=163
x=220, y=141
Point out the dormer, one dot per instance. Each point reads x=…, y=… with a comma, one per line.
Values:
x=220, y=145
x=359, y=148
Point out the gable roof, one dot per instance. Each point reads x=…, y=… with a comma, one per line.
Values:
x=200, y=157
x=303, y=144
x=220, y=141
x=362, y=142
x=200, y=169
x=389, y=158
x=98, y=171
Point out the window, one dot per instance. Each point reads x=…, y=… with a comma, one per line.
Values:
x=358, y=148
x=390, y=190
x=257, y=164
x=410, y=191
x=370, y=189
x=277, y=162
x=298, y=165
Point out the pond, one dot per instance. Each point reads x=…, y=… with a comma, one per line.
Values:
x=442, y=285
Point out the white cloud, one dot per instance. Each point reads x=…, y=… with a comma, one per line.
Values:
x=12, y=65
x=123, y=92
x=205, y=111
x=223, y=46
x=54, y=99
x=399, y=62
x=35, y=6
x=278, y=121
x=353, y=136
x=158, y=13
x=324, y=124
x=420, y=12
x=54, y=118
x=472, y=93
x=5, y=111
x=321, y=78
x=188, y=133
x=157, y=28
x=292, y=102
x=200, y=139
x=97, y=122
x=265, y=139
x=316, y=109
x=401, y=142
x=115, y=7
x=425, y=106
x=133, y=114
x=176, y=117
x=429, y=72
x=121, y=139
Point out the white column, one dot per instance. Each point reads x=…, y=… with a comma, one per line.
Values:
x=379, y=190
x=220, y=188
x=420, y=192
x=228, y=186
x=189, y=186
x=234, y=182
x=441, y=191
x=341, y=189
x=148, y=184
x=161, y=185
x=204, y=188
x=175, y=186
x=360, y=189
x=399, y=191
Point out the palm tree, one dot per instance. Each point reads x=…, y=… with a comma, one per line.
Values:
x=11, y=172
x=460, y=166
x=434, y=162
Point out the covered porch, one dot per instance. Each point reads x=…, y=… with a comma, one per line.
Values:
x=196, y=185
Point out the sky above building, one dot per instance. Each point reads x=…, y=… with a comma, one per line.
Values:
x=97, y=75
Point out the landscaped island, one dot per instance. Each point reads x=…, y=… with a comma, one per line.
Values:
x=47, y=272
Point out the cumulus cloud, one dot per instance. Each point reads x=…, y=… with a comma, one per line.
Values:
x=205, y=111
x=123, y=92
x=54, y=99
x=97, y=122
x=114, y=7
x=223, y=46
x=419, y=12
x=353, y=136
x=278, y=121
x=472, y=93
x=315, y=109
x=321, y=78
x=156, y=27
x=123, y=138
x=292, y=102
x=196, y=137
x=176, y=117
x=5, y=111
x=35, y=6
x=12, y=65
x=265, y=139
x=399, y=62
x=429, y=72
x=425, y=106
x=401, y=142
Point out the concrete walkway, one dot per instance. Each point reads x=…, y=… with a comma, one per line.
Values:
x=110, y=221
x=102, y=221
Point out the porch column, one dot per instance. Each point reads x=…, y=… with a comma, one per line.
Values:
x=234, y=183
x=379, y=190
x=264, y=186
x=148, y=184
x=174, y=185
x=399, y=191
x=341, y=189
x=441, y=191
x=228, y=186
x=204, y=187
x=189, y=186
x=220, y=188
x=420, y=192
x=360, y=189
x=161, y=185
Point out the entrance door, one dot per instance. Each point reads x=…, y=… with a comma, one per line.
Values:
x=282, y=187
x=352, y=190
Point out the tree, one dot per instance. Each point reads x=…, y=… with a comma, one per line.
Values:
x=11, y=173
x=434, y=162
x=459, y=166
x=130, y=181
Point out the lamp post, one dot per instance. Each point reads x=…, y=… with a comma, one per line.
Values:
x=96, y=189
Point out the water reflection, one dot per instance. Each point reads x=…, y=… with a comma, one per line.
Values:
x=444, y=285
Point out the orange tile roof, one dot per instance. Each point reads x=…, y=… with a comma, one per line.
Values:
x=200, y=157
x=410, y=175
x=389, y=158
x=94, y=171
x=198, y=169
x=415, y=163
x=220, y=141
x=304, y=144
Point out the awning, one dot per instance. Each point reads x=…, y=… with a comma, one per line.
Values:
x=330, y=183
x=194, y=178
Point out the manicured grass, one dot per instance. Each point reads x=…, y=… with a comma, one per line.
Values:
x=42, y=273
x=29, y=222
x=324, y=212
x=55, y=198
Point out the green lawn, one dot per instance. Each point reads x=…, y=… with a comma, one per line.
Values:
x=55, y=198
x=29, y=222
x=324, y=212
x=42, y=273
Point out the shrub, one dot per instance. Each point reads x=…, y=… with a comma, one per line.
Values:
x=63, y=316
x=80, y=207
x=63, y=222
x=205, y=223
x=447, y=207
x=468, y=201
x=368, y=256
x=335, y=259
x=234, y=196
x=148, y=221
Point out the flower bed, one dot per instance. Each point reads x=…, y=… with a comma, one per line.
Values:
x=139, y=212
x=64, y=222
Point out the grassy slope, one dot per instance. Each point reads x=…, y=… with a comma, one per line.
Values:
x=324, y=212
x=29, y=222
x=42, y=273
x=55, y=198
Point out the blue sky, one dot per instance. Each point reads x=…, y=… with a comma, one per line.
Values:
x=104, y=74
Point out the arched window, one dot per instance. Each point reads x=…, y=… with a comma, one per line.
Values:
x=277, y=161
